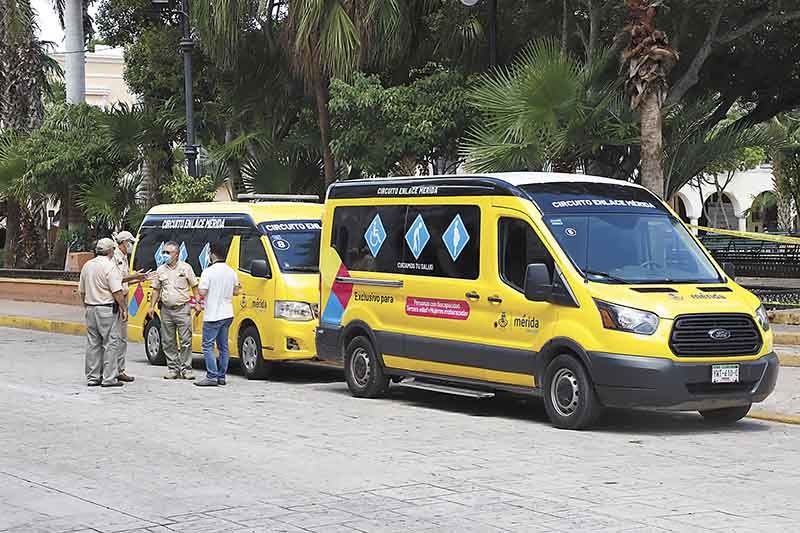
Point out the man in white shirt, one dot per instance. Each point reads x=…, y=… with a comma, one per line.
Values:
x=218, y=285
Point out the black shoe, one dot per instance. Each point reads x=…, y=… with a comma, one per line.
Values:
x=206, y=383
x=93, y=384
x=221, y=381
x=115, y=384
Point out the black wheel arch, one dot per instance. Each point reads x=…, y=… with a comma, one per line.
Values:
x=555, y=347
x=358, y=328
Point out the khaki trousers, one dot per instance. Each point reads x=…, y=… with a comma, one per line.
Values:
x=102, y=335
x=177, y=321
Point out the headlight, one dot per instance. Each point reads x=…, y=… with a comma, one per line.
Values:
x=763, y=318
x=297, y=311
x=627, y=319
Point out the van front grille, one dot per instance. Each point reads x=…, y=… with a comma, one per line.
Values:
x=723, y=335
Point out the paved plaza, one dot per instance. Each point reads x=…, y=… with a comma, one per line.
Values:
x=299, y=454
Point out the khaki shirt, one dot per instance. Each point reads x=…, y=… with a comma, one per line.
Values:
x=175, y=283
x=99, y=279
x=123, y=267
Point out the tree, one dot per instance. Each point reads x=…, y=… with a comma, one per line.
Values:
x=648, y=60
x=548, y=110
x=333, y=38
x=381, y=131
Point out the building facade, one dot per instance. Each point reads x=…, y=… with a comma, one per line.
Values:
x=105, y=83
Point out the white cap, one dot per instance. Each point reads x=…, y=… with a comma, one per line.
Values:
x=104, y=245
x=124, y=236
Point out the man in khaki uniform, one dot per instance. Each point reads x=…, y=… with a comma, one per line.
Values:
x=101, y=292
x=125, y=241
x=173, y=286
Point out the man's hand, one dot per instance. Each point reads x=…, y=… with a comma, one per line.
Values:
x=123, y=313
x=198, y=308
x=151, y=313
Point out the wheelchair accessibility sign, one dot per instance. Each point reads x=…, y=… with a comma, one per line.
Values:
x=375, y=235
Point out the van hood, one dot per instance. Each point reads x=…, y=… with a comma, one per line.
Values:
x=672, y=300
x=299, y=287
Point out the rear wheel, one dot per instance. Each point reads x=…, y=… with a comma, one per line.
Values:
x=728, y=415
x=152, y=343
x=569, y=396
x=363, y=371
x=251, y=356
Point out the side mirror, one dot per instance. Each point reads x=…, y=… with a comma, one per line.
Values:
x=538, y=284
x=259, y=269
x=730, y=270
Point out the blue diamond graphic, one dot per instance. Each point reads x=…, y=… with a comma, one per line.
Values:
x=375, y=235
x=184, y=254
x=205, y=256
x=159, y=255
x=417, y=236
x=455, y=237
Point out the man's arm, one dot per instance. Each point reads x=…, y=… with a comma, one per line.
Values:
x=154, y=299
x=123, y=305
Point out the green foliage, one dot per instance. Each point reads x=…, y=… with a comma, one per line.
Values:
x=376, y=129
x=548, y=110
x=184, y=188
x=79, y=240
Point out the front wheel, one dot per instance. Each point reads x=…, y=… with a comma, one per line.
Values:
x=363, y=371
x=569, y=396
x=152, y=343
x=728, y=415
x=250, y=355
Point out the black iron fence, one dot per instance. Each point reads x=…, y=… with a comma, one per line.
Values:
x=755, y=258
x=55, y=275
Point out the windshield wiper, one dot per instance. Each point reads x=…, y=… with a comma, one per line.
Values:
x=605, y=275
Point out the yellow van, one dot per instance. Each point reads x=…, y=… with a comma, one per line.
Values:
x=273, y=244
x=588, y=292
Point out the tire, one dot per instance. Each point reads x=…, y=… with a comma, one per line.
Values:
x=251, y=356
x=728, y=415
x=569, y=396
x=152, y=343
x=363, y=371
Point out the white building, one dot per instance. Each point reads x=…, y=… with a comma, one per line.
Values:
x=737, y=200
x=105, y=84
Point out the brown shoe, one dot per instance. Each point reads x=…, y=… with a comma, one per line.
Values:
x=172, y=375
x=125, y=378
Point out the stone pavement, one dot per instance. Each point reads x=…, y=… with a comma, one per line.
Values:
x=299, y=454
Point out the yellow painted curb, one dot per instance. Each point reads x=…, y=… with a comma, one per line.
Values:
x=39, y=324
x=774, y=417
x=787, y=338
x=789, y=359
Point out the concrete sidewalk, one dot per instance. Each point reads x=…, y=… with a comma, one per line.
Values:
x=782, y=406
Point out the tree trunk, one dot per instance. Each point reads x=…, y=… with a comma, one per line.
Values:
x=12, y=231
x=321, y=95
x=564, y=27
x=75, y=61
x=652, y=171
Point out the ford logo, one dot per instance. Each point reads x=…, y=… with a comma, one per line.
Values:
x=719, y=334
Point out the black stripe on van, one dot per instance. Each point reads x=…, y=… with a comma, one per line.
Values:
x=423, y=187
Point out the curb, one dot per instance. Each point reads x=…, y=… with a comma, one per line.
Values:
x=774, y=417
x=39, y=324
x=787, y=338
x=791, y=360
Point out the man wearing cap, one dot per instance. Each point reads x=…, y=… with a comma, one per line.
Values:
x=174, y=287
x=101, y=292
x=125, y=241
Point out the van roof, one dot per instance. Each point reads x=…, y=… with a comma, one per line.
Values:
x=260, y=211
x=492, y=183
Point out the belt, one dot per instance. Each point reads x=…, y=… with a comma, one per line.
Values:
x=99, y=305
x=174, y=307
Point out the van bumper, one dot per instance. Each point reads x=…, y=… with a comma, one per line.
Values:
x=634, y=381
x=327, y=343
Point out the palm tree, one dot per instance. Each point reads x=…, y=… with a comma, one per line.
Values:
x=72, y=14
x=548, y=110
x=333, y=38
x=648, y=60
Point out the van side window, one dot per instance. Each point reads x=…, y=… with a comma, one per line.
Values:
x=251, y=249
x=519, y=246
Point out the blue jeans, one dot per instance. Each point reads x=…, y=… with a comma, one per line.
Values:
x=216, y=332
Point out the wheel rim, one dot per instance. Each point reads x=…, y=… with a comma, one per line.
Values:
x=153, y=341
x=565, y=392
x=360, y=367
x=249, y=353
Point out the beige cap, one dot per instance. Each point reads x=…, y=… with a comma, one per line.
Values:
x=104, y=245
x=124, y=236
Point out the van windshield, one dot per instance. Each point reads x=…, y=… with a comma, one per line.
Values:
x=619, y=234
x=295, y=244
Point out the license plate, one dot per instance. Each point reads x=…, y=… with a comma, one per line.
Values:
x=724, y=373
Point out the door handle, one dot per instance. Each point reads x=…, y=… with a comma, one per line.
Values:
x=495, y=299
x=472, y=295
